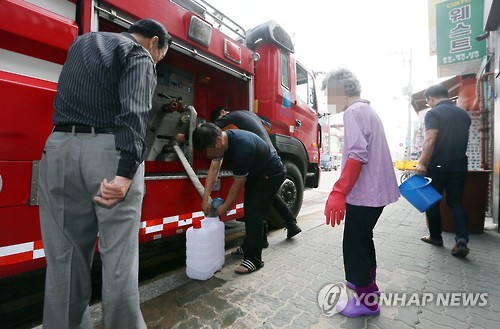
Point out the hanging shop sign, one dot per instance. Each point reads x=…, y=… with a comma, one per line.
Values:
x=458, y=22
x=431, y=19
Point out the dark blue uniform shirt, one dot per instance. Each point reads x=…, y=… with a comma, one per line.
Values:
x=249, y=156
x=452, y=124
x=245, y=120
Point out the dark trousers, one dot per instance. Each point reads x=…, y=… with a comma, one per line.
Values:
x=259, y=196
x=453, y=183
x=284, y=211
x=357, y=244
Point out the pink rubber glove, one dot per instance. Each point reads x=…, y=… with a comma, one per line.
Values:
x=335, y=205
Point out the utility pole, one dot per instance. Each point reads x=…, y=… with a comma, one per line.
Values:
x=329, y=134
x=409, y=92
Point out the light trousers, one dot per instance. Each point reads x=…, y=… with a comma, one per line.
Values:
x=71, y=170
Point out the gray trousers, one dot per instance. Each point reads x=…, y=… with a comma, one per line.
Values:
x=71, y=170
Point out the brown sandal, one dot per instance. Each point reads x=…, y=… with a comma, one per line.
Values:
x=428, y=239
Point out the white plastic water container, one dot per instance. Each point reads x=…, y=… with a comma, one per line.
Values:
x=203, y=249
x=199, y=263
x=219, y=243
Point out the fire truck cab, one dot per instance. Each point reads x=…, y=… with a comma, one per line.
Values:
x=212, y=62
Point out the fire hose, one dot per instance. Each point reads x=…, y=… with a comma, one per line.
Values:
x=196, y=182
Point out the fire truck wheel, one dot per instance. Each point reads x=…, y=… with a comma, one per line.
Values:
x=291, y=191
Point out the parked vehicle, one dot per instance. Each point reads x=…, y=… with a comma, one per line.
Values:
x=212, y=62
x=337, y=161
x=326, y=162
x=330, y=162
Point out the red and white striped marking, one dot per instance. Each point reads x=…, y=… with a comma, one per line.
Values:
x=28, y=251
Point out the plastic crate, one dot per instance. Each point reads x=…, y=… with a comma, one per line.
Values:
x=406, y=165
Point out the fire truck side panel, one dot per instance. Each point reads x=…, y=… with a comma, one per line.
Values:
x=28, y=29
x=20, y=240
x=160, y=10
x=25, y=116
x=20, y=225
x=30, y=61
x=16, y=183
x=176, y=19
x=268, y=89
x=182, y=200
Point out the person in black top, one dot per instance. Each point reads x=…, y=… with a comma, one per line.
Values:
x=91, y=178
x=444, y=160
x=256, y=167
x=247, y=120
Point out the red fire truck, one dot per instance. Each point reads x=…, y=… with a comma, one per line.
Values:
x=212, y=62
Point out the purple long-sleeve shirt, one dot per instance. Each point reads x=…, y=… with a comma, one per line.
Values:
x=365, y=141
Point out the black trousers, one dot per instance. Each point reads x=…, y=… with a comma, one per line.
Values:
x=284, y=211
x=453, y=183
x=258, y=199
x=357, y=245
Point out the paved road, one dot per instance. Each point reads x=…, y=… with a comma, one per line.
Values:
x=284, y=294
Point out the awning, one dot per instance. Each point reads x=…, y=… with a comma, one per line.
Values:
x=418, y=100
x=461, y=89
x=493, y=19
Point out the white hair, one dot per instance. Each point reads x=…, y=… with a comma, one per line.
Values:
x=345, y=78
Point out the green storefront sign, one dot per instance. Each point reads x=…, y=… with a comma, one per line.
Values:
x=457, y=25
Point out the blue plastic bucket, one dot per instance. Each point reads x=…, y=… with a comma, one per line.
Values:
x=419, y=192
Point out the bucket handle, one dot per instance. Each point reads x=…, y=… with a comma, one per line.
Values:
x=428, y=179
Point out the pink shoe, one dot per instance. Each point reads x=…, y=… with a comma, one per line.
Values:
x=351, y=309
x=353, y=287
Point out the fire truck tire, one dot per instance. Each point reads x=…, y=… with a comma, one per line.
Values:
x=291, y=191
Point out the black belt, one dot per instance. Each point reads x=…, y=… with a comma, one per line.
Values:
x=84, y=129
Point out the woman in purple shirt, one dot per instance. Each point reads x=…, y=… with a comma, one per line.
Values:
x=366, y=185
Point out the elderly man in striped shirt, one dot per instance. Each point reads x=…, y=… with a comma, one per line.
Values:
x=92, y=174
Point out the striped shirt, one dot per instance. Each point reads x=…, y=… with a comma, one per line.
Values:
x=108, y=81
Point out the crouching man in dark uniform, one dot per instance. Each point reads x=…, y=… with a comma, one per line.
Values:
x=249, y=121
x=256, y=167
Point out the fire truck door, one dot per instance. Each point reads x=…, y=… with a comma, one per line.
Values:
x=305, y=109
